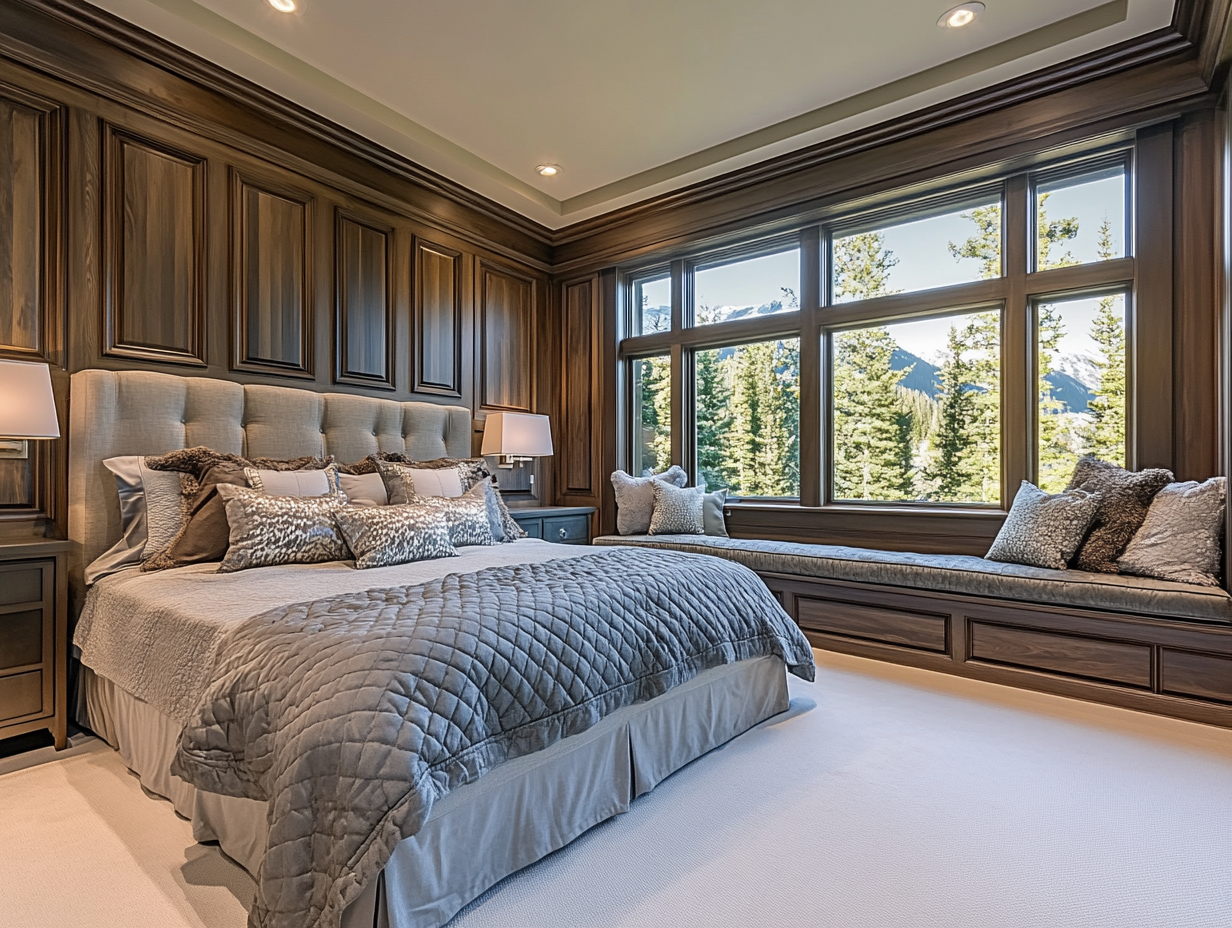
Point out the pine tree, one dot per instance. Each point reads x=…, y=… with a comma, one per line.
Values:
x=714, y=420
x=872, y=428
x=765, y=406
x=1106, y=438
x=656, y=413
x=862, y=266
x=1056, y=458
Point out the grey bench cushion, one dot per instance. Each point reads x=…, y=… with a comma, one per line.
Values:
x=955, y=573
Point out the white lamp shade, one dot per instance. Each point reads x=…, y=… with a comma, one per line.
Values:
x=518, y=434
x=27, y=405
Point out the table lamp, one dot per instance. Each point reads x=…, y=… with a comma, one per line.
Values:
x=27, y=405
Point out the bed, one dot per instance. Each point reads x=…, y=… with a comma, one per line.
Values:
x=147, y=643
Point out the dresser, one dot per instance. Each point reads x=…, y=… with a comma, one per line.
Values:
x=566, y=525
x=34, y=638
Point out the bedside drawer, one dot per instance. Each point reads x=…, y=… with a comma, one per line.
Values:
x=21, y=695
x=532, y=527
x=574, y=529
x=21, y=639
x=22, y=582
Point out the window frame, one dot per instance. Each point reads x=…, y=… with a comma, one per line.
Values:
x=1015, y=293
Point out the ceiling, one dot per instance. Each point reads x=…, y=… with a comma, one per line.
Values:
x=632, y=98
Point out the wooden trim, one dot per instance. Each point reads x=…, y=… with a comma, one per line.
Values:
x=418, y=382
x=342, y=374
x=1205, y=24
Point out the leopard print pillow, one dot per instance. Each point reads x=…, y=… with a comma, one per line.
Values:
x=1043, y=530
x=677, y=511
x=270, y=530
x=383, y=535
x=466, y=516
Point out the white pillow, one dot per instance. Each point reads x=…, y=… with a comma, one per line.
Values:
x=300, y=483
x=635, y=498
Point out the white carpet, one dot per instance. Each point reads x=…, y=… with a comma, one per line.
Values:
x=886, y=797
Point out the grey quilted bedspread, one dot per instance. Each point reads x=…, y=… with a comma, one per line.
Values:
x=350, y=715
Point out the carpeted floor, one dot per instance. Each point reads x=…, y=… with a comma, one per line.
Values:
x=885, y=797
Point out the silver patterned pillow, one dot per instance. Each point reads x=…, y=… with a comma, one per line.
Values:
x=1043, y=530
x=383, y=535
x=269, y=530
x=1181, y=537
x=466, y=516
x=677, y=511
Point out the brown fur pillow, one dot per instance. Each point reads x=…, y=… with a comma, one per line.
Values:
x=1124, y=499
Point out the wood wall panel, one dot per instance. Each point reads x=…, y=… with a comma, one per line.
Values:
x=364, y=293
x=577, y=401
x=155, y=245
x=271, y=268
x=438, y=334
x=506, y=339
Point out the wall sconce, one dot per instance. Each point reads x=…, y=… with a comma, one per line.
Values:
x=27, y=406
x=516, y=437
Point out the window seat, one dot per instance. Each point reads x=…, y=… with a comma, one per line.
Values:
x=954, y=573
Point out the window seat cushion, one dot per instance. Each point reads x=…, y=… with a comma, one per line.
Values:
x=955, y=573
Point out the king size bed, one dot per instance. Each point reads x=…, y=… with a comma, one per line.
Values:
x=301, y=706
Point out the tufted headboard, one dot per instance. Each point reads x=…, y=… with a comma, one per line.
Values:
x=141, y=412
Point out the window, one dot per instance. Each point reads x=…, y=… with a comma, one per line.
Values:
x=652, y=414
x=748, y=418
x=1080, y=365
x=756, y=287
x=917, y=410
x=956, y=352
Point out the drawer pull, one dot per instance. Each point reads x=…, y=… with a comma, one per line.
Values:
x=564, y=533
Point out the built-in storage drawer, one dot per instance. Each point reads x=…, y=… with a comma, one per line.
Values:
x=573, y=530
x=925, y=631
x=1120, y=662
x=1202, y=676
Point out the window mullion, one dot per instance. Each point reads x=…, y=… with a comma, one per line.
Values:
x=1018, y=344
x=812, y=426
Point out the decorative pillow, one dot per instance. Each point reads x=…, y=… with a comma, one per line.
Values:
x=635, y=498
x=384, y=535
x=1043, y=530
x=1182, y=536
x=271, y=530
x=1124, y=498
x=294, y=482
x=402, y=481
x=206, y=534
x=466, y=516
x=364, y=489
x=712, y=513
x=677, y=511
x=152, y=512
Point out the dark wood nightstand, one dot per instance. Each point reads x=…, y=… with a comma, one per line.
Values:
x=566, y=525
x=34, y=637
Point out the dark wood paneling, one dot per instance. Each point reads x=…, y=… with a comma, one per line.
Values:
x=155, y=251
x=1190, y=673
x=365, y=329
x=271, y=268
x=506, y=339
x=1108, y=661
x=903, y=627
x=437, y=335
x=576, y=434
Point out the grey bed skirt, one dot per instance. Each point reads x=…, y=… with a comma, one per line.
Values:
x=513, y=816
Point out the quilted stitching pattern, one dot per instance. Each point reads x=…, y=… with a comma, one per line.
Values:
x=351, y=714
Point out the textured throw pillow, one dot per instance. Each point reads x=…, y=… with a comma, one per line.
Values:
x=635, y=498
x=364, y=489
x=466, y=516
x=384, y=535
x=1182, y=536
x=677, y=511
x=152, y=512
x=294, y=482
x=1043, y=530
x=1124, y=498
x=206, y=534
x=266, y=531
x=712, y=513
x=403, y=481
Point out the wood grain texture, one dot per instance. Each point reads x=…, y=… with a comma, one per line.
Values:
x=506, y=339
x=1193, y=674
x=902, y=627
x=576, y=434
x=438, y=334
x=1107, y=661
x=271, y=268
x=365, y=313
x=155, y=251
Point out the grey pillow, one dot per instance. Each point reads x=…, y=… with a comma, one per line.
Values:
x=383, y=535
x=266, y=531
x=1124, y=498
x=152, y=513
x=1043, y=530
x=677, y=511
x=364, y=487
x=712, y=513
x=1181, y=538
x=635, y=498
x=465, y=516
x=404, y=481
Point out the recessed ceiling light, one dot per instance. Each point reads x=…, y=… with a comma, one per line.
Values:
x=283, y=6
x=548, y=170
x=958, y=17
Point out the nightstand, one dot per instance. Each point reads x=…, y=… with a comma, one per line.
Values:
x=566, y=525
x=34, y=637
